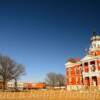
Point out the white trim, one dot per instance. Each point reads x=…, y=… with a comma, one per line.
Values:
x=70, y=64
x=94, y=49
x=88, y=60
x=90, y=74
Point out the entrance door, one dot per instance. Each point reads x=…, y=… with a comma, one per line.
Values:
x=94, y=78
x=87, y=81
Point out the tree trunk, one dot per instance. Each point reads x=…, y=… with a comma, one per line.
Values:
x=16, y=85
x=4, y=85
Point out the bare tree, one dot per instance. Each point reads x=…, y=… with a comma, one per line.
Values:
x=9, y=70
x=61, y=79
x=51, y=79
x=20, y=70
x=54, y=79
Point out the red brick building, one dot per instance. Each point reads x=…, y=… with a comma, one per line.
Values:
x=85, y=72
x=74, y=74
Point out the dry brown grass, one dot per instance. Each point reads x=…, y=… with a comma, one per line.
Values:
x=50, y=95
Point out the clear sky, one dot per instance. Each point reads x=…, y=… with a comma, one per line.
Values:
x=43, y=34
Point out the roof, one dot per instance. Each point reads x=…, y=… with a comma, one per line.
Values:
x=87, y=57
x=71, y=64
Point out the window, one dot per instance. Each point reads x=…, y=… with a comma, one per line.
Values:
x=86, y=69
x=67, y=71
x=76, y=80
x=70, y=71
x=81, y=69
x=70, y=80
x=92, y=62
x=86, y=64
x=76, y=70
x=93, y=67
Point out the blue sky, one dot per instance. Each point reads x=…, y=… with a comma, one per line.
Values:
x=43, y=34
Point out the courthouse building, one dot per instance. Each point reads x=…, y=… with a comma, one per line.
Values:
x=85, y=72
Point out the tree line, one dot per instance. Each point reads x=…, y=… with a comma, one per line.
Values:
x=55, y=79
x=10, y=70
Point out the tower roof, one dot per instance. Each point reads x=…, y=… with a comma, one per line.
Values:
x=94, y=33
x=95, y=37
